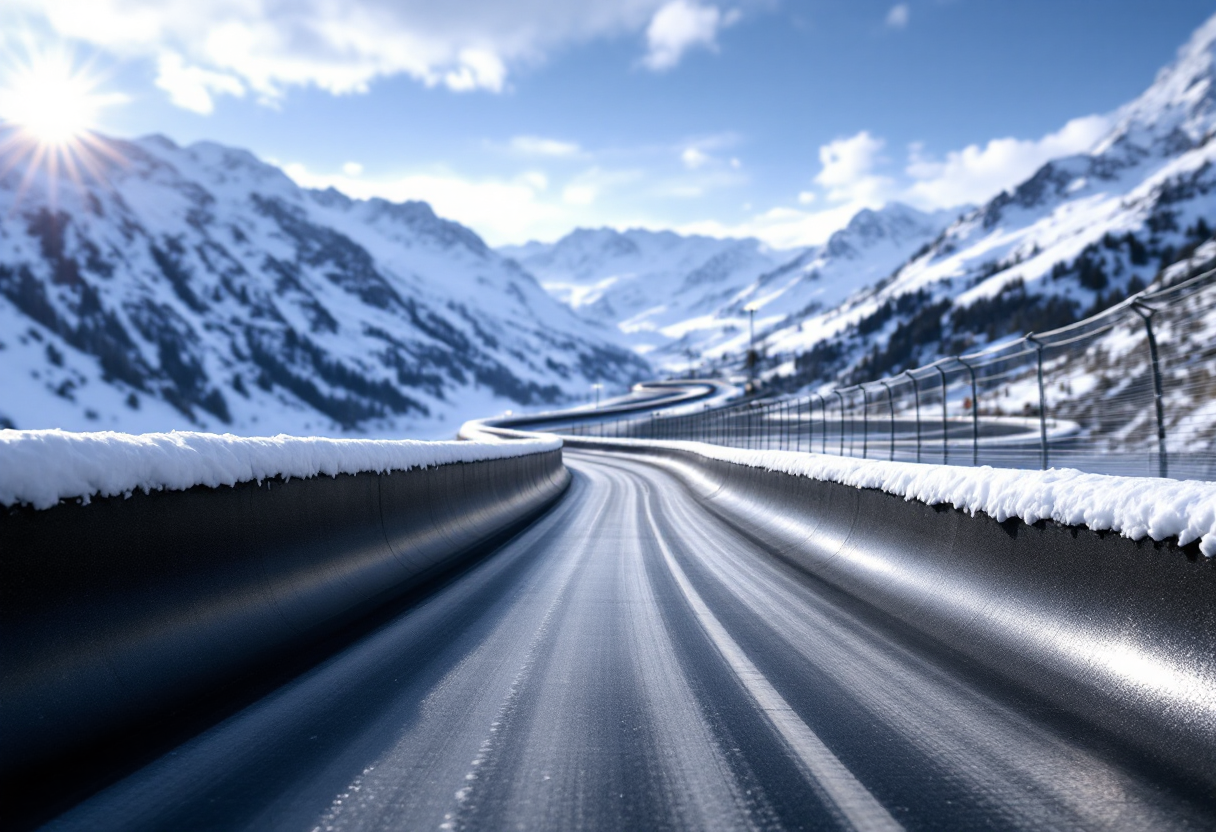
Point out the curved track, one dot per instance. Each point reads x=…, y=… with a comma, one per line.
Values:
x=631, y=661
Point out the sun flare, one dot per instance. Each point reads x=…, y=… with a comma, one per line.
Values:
x=49, y=106
x=51, y=99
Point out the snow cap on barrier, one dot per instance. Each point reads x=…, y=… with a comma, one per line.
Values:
x=1135, y=507
x=41, y=467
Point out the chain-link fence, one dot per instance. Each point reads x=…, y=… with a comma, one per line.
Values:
x=1129, y=391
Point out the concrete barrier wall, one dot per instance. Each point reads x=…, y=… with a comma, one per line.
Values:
x=122, y=609
x=1119, y=633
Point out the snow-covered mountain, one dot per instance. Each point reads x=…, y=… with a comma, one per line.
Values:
x=868, y=249
x=1075, y=237
x=673, y=293
x=198, y=287
x=645, y=282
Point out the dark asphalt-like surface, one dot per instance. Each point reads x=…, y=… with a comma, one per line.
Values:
x=631, y=661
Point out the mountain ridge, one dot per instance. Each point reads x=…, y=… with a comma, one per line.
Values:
x=1076, y=236
x=200, y=287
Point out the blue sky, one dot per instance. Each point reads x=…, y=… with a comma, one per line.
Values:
x=526, y=119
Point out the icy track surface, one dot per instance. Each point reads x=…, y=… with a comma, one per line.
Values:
x=42, y=467
x=1134, y=507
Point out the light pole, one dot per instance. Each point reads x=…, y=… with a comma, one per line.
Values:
x=596, y=388
x=752, y=358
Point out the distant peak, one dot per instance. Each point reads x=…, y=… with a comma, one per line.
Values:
x=1182, y=98
x=157, y=140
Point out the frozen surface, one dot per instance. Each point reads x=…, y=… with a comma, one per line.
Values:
x=1134, y=507
x=42, y=467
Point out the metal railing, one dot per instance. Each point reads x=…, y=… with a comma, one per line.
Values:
x=1131, y=390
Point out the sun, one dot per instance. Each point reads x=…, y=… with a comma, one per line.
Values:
x=49, y=107
x=50, y=99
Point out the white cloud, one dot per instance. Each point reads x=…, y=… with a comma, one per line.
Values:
x=974, y=174
x=539, y=146
x=499, y=209
x=535, y=179
x=899, y=16
x=580, y=194
x=851, y=176
x=477, y=70
x=352, y=169
x=191, y=87
x=502, y=210
x=268, y=46
x=694, y=158
x=848, y=169
x=589, y=186
x=679, y=26
x=781, y=227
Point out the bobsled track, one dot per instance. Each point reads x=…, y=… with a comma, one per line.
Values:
x=599, y=637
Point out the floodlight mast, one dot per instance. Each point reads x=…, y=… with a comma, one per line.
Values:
x=752, y=357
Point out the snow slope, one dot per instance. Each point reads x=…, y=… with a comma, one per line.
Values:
x=645, y=282
x=1074, y=238
x=197, y=287
x=673, y=294
x=867, y=250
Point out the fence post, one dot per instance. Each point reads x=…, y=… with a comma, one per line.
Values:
x=823, y=421
x=810, y=423
x=975, y=413
x=891, y=407
x=865, y=422
x=840, y=396
x=945, y=423
x=798, y=425
x=916, y=395
x=791, y=427
x=1146, y=313
x=1038, y=345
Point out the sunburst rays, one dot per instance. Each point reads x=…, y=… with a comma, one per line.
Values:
x=49, y=106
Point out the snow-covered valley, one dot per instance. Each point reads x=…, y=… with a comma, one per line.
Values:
x=154, y=287
x=158, y=287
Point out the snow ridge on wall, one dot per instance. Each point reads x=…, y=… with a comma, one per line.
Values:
x=41, y=467
x=1135, y=507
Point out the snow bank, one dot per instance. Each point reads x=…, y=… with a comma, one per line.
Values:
x=1132, y=506
x=41, y=467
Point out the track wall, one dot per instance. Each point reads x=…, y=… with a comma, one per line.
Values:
x=122, y=609
x=1118, y=632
